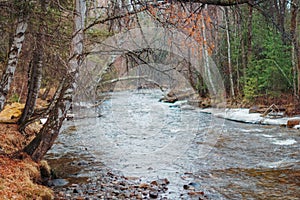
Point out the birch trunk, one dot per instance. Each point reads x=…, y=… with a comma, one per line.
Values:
x=295, y=42
x=296, y=48
x=229, y=52
x=207, y=70
x=47, y=135
x=13, y=57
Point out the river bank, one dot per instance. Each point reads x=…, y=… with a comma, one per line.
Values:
x=101, y=182
x=244, y=115
x=20, y=177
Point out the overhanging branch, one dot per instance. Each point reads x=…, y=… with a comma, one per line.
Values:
x=217, y=2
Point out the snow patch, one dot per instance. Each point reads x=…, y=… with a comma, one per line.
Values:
x=276, y=164
x=297, y=127
x=243, y=115
x=284, y=142
x=251, y=130
x=267, y=136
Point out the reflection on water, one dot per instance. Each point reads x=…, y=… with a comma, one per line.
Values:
x=139, y=136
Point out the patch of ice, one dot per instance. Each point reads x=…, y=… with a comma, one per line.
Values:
x=267, y=136
x=284, y=142
x=281, y=163
x=243, y=115
x=280, y=121
x=251, y=130
x=297, y=127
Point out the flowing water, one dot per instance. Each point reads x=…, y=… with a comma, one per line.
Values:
x=139, y=136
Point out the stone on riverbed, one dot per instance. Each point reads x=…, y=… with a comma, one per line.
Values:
x=57, y=182
x=112, y=186
x=293, y=122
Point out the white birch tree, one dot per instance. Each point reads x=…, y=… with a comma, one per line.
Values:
x=13, y=55
x=44, y=140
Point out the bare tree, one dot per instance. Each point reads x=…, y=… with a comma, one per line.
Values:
x=44, y=140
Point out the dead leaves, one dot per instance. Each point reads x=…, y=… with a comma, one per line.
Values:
x=16, y=180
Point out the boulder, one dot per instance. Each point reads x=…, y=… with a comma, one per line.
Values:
x=293, y=122
x=177, y=95
x=11, y=113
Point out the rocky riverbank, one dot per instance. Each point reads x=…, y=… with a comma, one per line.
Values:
x=113, y=186
x=244, y=115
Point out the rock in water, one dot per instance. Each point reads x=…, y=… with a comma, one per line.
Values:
x=153, y=194
x=293, y=122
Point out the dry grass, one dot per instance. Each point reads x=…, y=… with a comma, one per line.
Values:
x=18, y=178
x=11, y=140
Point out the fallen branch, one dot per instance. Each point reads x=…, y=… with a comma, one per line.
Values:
x=273, y=111
x=123, y=79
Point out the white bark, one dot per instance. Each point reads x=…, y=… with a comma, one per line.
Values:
x=39, y=146
x=13, y=57
x=229, y=52
x=76, y=49
x=207, y=69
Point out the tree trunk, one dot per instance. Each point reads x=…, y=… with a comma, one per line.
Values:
x=44, y=140
x=13, y=57
x=280, y=8
x=207, y=75
x=36, y=69
x=249, y=33
x=295, y=42
x=229, y=53
x=244, y=56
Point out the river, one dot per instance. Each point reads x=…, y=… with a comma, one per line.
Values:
x=138, y=136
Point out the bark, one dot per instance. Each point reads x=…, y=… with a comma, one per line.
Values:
x=295, y=42
x=45, y=94
x=243, y=51
x=44, y=140
x=13, y=57
x=249, y=34
x=280, y=6
x=229, y=53
x=207, y=70
x=36, y=68
x=218, y=2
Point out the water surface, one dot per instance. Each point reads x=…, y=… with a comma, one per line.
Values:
x=138, y=136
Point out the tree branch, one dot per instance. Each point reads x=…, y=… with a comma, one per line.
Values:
x=217, y=2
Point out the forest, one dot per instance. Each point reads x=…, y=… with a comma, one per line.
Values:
x=44, y=45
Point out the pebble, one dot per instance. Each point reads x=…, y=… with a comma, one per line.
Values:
x=144, y=186
x=153, y=195
x=111, y=186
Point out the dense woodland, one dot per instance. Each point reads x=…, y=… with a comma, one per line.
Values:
x=255, y=45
